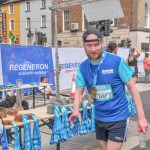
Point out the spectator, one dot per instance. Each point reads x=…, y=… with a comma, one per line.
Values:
x=112, y=48
x=46, y=90
x=146, y=63
x=9, y=101
x=132, y=62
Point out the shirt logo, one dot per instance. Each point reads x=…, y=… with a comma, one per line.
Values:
x=110, y=71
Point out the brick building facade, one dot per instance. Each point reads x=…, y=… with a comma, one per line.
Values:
x=135, y=25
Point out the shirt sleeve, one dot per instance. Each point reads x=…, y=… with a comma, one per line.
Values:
x=125, y=71
x=80, y=83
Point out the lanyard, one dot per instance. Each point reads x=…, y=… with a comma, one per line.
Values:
x=4, y=141
x=16, y=137
x=83, y=129
x=27, y=133
x=36, y=140
x=99, y=64
x=131, y=105
x=73, y=129
x=65, y=124
x=92, y=118
x=57, y=127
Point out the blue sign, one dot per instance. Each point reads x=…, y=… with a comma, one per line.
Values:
x=27, y=63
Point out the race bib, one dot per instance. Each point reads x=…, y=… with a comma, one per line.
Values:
x=104, y=92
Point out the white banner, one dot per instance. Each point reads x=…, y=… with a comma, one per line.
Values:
x=69, y=60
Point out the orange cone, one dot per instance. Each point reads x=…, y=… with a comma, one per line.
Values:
x=73, y=87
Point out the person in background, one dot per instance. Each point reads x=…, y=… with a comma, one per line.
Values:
x=105, y=81
x=112, y=48
x=47, y=90
x=132, y=62
x=146, y=63
x=9, y=101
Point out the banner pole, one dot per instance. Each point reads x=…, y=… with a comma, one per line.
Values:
x=57, y=60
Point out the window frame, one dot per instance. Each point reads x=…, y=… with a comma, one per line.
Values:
x=65, y=30
x=10, y=25
x=28, y=23
x=43, y=22
x=28, y=6
x=146, y=17
x=43, y=4
x=11, y=9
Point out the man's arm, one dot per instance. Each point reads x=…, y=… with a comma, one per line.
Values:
x=78, y=99
x=142, y=122
x=76, y=105
x=138, y=53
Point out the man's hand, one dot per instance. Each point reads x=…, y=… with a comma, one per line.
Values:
x=73, y=116
x=142, y=125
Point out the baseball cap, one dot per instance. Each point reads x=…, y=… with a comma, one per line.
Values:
x=94, y=31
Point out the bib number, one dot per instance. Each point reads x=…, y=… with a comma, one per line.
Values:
x=104, y=92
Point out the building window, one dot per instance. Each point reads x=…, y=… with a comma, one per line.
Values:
x=12, y=25
x=28, y=23
x=11, y=9
x=144, y=47
x=43, y=21
x=146, y=16
x=114, y=23
x=27, y=6
x=66, y=20
x=43, y=4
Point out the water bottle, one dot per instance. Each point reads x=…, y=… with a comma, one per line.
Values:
x=142, y=140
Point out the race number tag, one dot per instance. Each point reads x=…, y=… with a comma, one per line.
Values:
x=104, y=92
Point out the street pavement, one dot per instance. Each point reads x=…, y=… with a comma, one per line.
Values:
x=88, y=142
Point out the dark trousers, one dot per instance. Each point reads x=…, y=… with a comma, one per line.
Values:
x=4, y=103
x=8, y=102
x=147, y=73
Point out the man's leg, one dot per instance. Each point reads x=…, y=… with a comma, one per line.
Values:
x=117, y=132
x=113, y=145
x=103, y=145
x=101, y=134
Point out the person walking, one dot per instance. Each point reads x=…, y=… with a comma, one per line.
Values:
x=105, y=76
x=132, y=62
x=146, y=63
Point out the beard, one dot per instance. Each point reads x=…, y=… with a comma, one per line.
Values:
x=96, y=57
